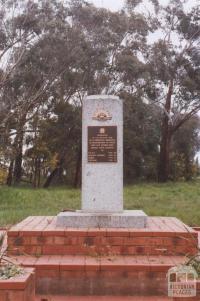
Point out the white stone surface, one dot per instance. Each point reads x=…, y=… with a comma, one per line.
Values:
x=102, y=183
x=127, y=219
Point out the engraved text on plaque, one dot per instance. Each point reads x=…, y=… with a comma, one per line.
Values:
x=102, y=144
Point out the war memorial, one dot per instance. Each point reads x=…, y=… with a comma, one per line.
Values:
x=102, y=249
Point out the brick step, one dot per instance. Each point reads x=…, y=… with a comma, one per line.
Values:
x=163, y=236
x=112, y=275
x=198, y=231
x=101, y=298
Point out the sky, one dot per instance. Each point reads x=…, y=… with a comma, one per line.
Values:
x=117, y=4
x=146, y=5
x=112, y=4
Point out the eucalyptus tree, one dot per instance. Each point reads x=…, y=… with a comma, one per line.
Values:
x=68, y=59
x=48, y=65
x=104, y=36
x=171, y=61
x=18, y=29
x=141, y=139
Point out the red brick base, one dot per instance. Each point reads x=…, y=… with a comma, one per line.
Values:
x=123, y=262
x=162, y=236
x=21, y=288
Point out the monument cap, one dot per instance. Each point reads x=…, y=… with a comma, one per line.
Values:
x=103, y=97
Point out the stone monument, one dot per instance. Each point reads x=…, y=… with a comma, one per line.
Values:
x=102, y=169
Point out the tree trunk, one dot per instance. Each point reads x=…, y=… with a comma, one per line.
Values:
x=59, y=179
x=78, y=169
x=166, y=136
x=51, y=177
x=18, y=169
x=56, y=172
x=39, y=173
x=59, y=168
x=35, y=173
x=18, y=159
x=10, y=173
x=164, y=164
x=188, y=168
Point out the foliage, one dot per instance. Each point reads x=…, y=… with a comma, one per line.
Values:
x=10, y=271
x=170, y=70
x=141, y=139
x=7, y=268
x=185, y=145
x=3, y=175
x=57, y=52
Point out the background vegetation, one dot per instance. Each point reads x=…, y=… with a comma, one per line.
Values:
x=54, y=53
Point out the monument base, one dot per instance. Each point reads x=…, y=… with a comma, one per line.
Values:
x=126, y=219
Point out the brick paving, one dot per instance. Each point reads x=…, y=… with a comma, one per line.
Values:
x=108, y=263
x=77, y=260
x=162, y=236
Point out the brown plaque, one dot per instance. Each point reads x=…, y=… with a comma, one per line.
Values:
x=102, y=144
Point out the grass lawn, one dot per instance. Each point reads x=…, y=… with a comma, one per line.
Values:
x=173, y=199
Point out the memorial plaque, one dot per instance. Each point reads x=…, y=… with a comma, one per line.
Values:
x=102, y=144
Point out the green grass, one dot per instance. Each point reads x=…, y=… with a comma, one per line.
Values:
x=173, y=199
